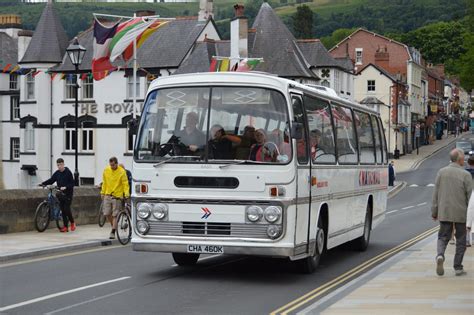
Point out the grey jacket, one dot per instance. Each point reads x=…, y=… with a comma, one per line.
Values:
x=451, y=194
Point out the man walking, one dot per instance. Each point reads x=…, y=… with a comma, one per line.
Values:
x=114, y=189
x=450, y=201
x=64, y=180
x=391, y=174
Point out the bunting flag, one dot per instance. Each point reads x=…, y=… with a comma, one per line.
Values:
x=126, y=34
x=63, y=75
x=36, y=73
x=248, y=64
x=83, y=76
x=128, y=53
x=15, y=69
x=222, y=64
x=213, y=66
x=102, y=41
x=7, y=67
x=53, y=76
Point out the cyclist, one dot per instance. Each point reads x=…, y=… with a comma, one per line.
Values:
x=114, y=188
x=64, y=180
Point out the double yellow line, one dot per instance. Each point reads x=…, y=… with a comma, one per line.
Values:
x=310, y=296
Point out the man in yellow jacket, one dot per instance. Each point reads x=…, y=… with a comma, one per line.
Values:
x=114, y=189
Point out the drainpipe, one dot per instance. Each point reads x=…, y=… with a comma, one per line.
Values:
x=51, y=128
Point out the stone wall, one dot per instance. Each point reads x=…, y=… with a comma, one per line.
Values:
x=18, y=206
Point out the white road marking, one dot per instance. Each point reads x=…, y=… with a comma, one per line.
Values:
x=430, y=185
x=421, y=204
x=413, y=185
x=50, y=296
x=392, y=211
x=201, y=259
x=409, y=207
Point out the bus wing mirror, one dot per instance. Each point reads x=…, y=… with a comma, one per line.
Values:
x=297, y=130
x=133, y=126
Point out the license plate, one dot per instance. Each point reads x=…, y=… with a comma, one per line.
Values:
x=206, y=249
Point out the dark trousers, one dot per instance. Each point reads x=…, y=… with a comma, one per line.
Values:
x=65, y=205
x=444, y=235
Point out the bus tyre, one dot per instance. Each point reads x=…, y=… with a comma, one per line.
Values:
x=309, y=264
x=362, y=242
x=182, y=259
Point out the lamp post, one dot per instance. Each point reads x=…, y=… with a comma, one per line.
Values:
x=76, y=53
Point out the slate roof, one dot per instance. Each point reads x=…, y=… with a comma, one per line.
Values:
x=382, y=71
x=166, y=48
x=49, y=41
x=8, y=50
x=318, y=56
x=371, y=100
x=269, y=39
x=277, y=46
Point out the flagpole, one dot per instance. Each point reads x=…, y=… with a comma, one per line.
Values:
x=134, y=73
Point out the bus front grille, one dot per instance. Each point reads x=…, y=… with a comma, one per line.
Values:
x=208, y=229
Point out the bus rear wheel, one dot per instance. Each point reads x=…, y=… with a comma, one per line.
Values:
x=182, y=259
x=309, y=264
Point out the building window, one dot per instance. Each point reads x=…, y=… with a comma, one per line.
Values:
x=88, y=88
x=130, y=139
x=70, y=92
x=358, y=56
x=69, y=137
x=15, y=107
x=29, y=137
x=370, y=85
x=30, y=86
x=13, y=81
x=87, y=181
x=87, y=135
x=14, y=148
x=337, y=81
x=130, y=87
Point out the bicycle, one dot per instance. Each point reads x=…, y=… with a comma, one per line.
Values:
x=124, y=225
x=49, y=210
x=101, y=218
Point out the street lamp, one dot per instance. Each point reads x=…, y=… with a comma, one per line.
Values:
x=76, y=53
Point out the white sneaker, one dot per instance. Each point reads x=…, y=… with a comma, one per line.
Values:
x=460, y=272
x=112, y=235
x=439, y=265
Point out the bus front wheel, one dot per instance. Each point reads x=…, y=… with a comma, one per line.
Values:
x=309, y=264
x=182, y=259
x=362, y=242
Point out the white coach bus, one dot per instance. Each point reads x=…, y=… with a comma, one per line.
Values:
x=253, y=164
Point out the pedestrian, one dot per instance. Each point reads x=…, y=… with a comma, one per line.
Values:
x=115, y=189
x=391, y=174
x=470, y=220
x=451, y=195
x=64, y=180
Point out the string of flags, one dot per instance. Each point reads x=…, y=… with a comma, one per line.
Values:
x=223, y=64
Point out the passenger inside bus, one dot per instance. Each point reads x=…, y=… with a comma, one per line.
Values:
x=315, y=143
x=263, y=151
x=191, y=136
x=242, y=151
x=220, y=144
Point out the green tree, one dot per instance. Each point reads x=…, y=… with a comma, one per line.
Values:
x=336, y=37
x=303, y=22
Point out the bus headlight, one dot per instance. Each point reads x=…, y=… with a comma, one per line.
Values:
x=142, y=227
x=143, y=210
x=273, y=231
x=160, y=210
x=254, y=213
x=272, y=214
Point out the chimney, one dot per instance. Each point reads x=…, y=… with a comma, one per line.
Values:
x=238, y=35
x=10, y=24
x=24, y=38
x=205, y=10
x=382, y=57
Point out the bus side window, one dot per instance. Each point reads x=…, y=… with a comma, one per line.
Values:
x=345, y=135
x=384, y=141
x=301, y=144
x=365, y=137
x=378, y=140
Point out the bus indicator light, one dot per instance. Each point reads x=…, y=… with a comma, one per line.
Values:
x=274, y=191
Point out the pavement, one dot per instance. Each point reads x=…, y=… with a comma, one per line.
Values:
x=412, y=161
x=407, y=284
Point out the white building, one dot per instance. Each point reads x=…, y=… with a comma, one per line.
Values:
x=378, y=89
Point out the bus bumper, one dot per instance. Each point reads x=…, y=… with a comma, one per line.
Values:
x=282, y=252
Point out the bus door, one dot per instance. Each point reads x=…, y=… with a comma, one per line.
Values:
x=303, y=189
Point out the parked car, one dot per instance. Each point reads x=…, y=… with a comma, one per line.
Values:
x=467, y=145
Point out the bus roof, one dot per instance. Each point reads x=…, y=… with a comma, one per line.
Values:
x=250, y=78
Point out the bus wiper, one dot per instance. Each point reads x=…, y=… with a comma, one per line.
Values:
x=175, y=157
x=239, y=162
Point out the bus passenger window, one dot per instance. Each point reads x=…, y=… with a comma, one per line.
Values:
x=378, y=140
x=365, y=137
x=301, y=144
x=321, y=136
x=345, y=135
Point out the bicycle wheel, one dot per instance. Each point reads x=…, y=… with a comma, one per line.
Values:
x=124, y=228
x=59, y=220
x=42, y=216
x=102, y=217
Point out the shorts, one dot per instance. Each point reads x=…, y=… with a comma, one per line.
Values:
x=111, y=206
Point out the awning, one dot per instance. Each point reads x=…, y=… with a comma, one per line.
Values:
x=371, y=100
x=403, y=102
